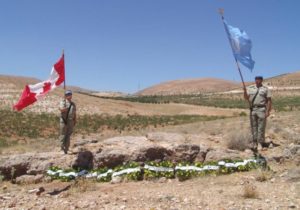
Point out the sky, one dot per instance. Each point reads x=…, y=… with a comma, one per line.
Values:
x=128, y=45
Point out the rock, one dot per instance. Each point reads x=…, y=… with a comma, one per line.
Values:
x=117, y=151
x=42, y=163
x=152, y=153
x=293, y=175
x=162, y=180
x=84, y=160
x=166, y=139
x=201, y=156
x=12, y=166
x=110, y=158
x=292, y=206
x=287, y=153
x=33, y=191
x=220, y=154
x=116, y=180
x=295, y=149
x=186, y=152
x=126, y=142
x=37, y=191
x=84, y=142
x=29, y=179
x=278, y=159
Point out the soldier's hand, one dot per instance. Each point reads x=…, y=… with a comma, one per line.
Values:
x=63, y=110
x=267, y=114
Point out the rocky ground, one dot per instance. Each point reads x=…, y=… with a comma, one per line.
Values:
x=278, y=188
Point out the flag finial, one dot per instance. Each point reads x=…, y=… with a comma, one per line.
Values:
x=221, y=11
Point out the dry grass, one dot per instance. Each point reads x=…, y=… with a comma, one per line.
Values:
x=250, y=191
x=239, y=140
x=263, y=175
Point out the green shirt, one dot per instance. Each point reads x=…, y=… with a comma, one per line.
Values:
x=262, y=97
x=65, y=104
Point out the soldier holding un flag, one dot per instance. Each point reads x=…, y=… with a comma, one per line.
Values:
x=259, y=97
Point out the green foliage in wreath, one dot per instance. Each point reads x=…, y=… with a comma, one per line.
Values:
x=134, y=176
x=151, y=174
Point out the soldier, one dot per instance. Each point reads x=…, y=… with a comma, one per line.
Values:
x=67, y=120
x=259, y=97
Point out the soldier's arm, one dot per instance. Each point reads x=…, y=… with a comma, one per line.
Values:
x=246, y=96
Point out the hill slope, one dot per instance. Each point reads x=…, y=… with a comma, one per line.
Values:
x=288, y=81
x=190, y=86
x=11, y=88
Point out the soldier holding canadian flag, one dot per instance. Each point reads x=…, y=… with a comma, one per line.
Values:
x=67, y=120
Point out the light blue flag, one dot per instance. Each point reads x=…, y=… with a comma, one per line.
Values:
x=241, y=45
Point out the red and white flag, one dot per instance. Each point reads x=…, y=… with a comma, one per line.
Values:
x=32, y=93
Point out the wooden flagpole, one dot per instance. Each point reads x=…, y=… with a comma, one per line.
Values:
x=221, y=12
x=63, y=52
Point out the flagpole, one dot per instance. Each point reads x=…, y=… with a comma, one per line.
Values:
x=63, y=52
x=221, y=12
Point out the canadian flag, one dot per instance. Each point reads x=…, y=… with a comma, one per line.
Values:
x=32, y=93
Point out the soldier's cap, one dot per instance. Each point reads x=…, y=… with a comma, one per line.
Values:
x=68, y=92
x=259, y=77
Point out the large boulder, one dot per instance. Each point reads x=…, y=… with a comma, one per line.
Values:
x=110, y=158
x=12, y=166
x=117, y=151
x=185, y=152
x=221, y=154
x=166, y=139
x=29, y=179
x=84, y=160
x=15, y=165
x=152, y=153
x=201, y=156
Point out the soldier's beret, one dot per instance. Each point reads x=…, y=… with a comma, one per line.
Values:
x=68, y=92
x=259, y=77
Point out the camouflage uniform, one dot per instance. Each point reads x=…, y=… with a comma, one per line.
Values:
x=258, y=98
x=67, y=122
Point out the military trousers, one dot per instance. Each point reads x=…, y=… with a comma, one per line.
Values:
x=65, y=133
x=258, y=126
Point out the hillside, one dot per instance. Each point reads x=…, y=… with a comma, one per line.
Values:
x=284, y=82
x=190, y=86
x=11, y=88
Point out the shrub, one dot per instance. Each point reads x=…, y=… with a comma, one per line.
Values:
x=243, y=114
x=250, y=191
x=239, y=140
x=263, y=175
